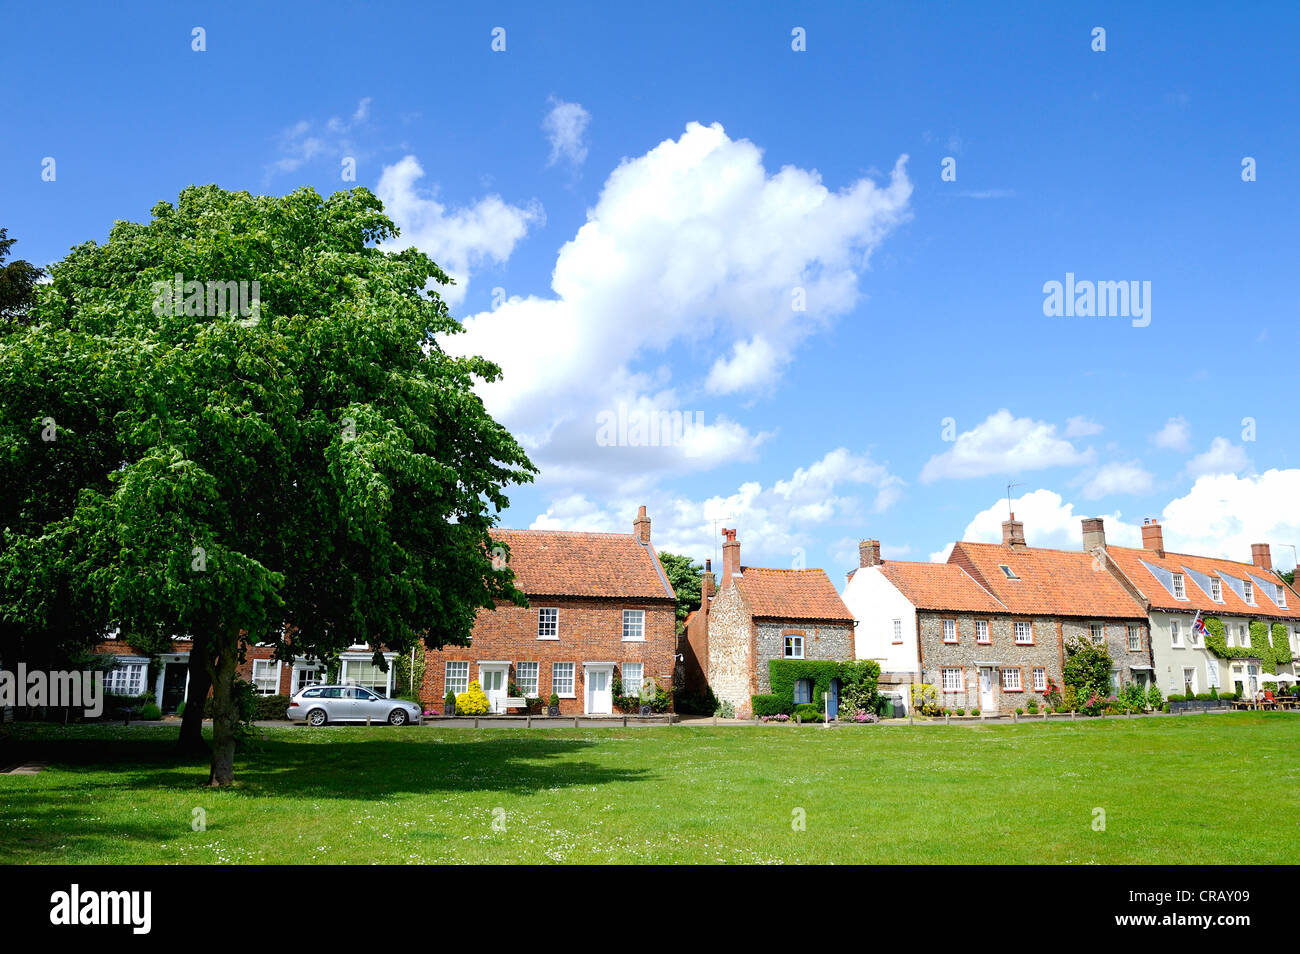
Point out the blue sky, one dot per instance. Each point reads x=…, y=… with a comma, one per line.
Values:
x=713, y=171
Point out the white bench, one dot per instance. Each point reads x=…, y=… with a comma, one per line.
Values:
x=512, y=702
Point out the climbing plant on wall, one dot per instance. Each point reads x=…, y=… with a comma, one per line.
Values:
x=1260, y=647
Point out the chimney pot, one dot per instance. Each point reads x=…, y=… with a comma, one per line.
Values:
x=869, y=553
x=1261, y=556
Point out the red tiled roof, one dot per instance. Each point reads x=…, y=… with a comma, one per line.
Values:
x=940, y=586
x=1052, y=582
x=565, y=563
x=1130, y=560
x=791, y=594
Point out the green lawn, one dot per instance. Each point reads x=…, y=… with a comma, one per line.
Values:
x=1193, y=789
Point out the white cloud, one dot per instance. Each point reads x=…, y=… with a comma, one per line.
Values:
x=773, y=521
x=1223, y=457
x=460, y=240
x=1003, y=444
x=565, y=126
x=692, y=250
x=1175, y=435
x=1118, y=477
x=307, y=140
x=1081, y=426
x=1223, y=514
x=1049, y=521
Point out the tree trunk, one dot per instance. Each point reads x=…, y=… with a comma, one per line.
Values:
x=225, y=714
x=196, y=697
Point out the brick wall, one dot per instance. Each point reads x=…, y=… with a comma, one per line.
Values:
x=589, y=631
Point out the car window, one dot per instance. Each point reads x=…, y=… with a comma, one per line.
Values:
x=311, y=693
x=333, y=693
x=358, y=693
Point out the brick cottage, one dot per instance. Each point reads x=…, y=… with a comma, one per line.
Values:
x=600, y=608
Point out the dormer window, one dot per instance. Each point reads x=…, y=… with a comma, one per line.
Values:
x=1281, y=596
x=1180, y=588
x=1010, y=573
x=1250, y=591
x=1216, y=590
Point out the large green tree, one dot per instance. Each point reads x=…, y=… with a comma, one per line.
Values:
x=311, y=471
x=684, y=575
x=18, y=281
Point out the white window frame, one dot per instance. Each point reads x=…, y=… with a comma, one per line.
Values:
x=793, y=641
x=987, y=637
x=1281, y=596
x=634, y=623
x=571, y=669
x=1250, y=591
x=124, y=675
x=1011, y=681
x=1097, y=633
x=522, y=682
x=1175, y=634
x=898, y=630
x=629, y=688
x=450, y=681
x=548, y=623
x=950, y=631
x=1194, y=681
x=1134, y=638
x=950, y=678
x=1027, y=629
x=1040, y=679
x=1216, y=589
x=275, y=665
x=1243, y=635
x=1180, y=587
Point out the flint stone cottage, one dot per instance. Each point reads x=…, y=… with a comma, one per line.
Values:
x=1175, y=587
x=763, y=614
x=989, y=627
x=600, y=607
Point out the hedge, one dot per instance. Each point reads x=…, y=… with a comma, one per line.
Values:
x=770, y=704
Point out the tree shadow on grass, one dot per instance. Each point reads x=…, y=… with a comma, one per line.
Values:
x=358, y=767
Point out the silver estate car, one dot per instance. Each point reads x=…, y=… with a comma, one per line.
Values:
x=318, y=705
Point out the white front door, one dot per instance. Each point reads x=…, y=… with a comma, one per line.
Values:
x=493, y=681
x=988, y=703
x=600, y=698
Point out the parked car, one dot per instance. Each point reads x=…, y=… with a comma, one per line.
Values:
x=318, y=705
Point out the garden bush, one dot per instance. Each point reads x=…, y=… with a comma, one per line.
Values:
x=149, y=712
x=725, y=710
x=808, y=712
x=771, y=704
x=473, y=701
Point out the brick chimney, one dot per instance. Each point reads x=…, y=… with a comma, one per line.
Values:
x=730, y=557
x=869, y=553
x=1261, y=556
x=641, y=526
x=1013, y=532
x=706, y=587
x=1153, y=538
x=1094, y=534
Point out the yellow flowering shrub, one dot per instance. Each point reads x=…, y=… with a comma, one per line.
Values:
x=473, y=701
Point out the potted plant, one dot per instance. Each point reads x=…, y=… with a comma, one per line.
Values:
x=553, y=705
x=449, y=704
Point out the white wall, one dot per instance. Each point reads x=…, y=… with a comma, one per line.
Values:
x=875, y=603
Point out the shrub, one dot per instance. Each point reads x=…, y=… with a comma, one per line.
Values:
x=1154, y=699
x=1203, y=697
x=180, y=709
x=808, y=712
x=771, y=704
x=925, y=698
x=1214, y=692
x=1175, y=697
x=149, y=712
x=1227, y=697
x=1032, y=706
x=270, y=707
x=697, y=703
x=779, y=717
x=1087, y=668
x=974, y=712
x=1070, y=698
x=1020, y=710
x=961, y=711
x=473, y=701
x=554, y=701
x=725, y=710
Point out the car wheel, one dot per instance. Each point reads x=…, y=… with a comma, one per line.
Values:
x=316, y=717
x=398, y=717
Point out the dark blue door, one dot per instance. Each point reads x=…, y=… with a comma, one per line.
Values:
x=833, y=698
